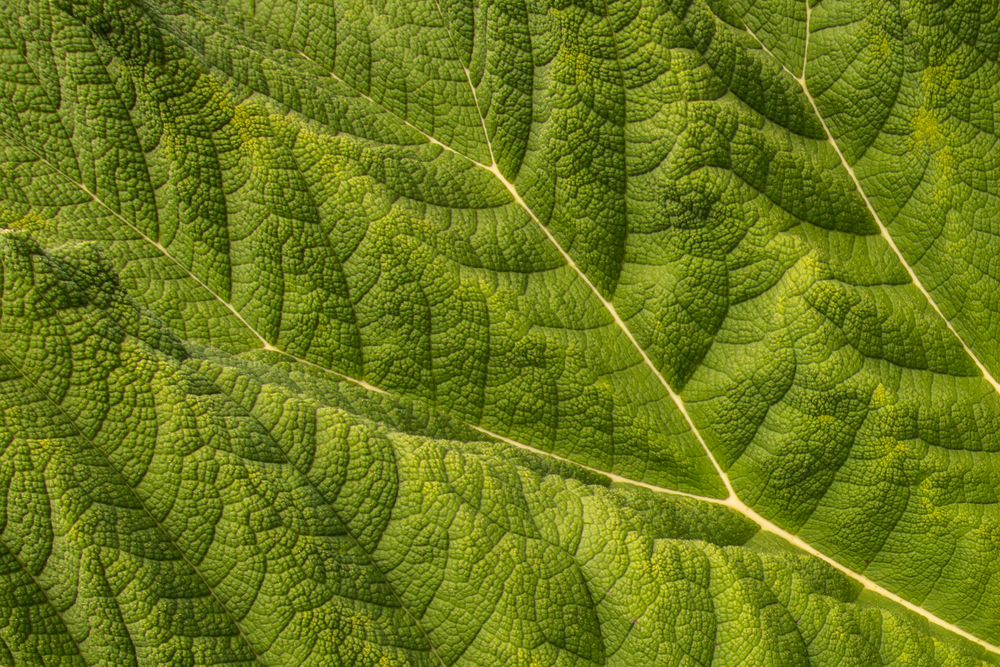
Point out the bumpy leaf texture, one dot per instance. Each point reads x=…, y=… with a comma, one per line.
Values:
x=509, y=332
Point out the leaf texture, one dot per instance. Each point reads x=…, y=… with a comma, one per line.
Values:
x=638, y=332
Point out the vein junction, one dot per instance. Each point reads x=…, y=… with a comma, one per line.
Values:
x=732, y=500
x=800, y=79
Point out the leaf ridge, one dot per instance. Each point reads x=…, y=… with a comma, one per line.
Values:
x=45, y=594
x=76, y=427
x=350, y=534
x=856, y=181
x=732, y=500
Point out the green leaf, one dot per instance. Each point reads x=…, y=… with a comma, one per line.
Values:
x=640, y=332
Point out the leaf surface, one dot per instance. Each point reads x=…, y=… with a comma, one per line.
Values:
x=447, y=333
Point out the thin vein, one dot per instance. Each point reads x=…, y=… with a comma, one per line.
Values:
x=856, y=181
x=805, y=40
x=142, y=503
x=431, y=139
x=603, y=473
x=45, y=597
x=264, y=343
x=732, y=500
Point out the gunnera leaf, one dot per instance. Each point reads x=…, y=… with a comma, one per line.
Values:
x=639, y=332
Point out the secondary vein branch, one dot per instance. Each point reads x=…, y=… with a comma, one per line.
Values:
x=800, y=79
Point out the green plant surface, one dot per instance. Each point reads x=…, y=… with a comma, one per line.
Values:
x=511, y=332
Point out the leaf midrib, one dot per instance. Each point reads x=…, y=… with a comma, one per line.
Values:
x=197, y=571
x=732, y=500
x=801, y=80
